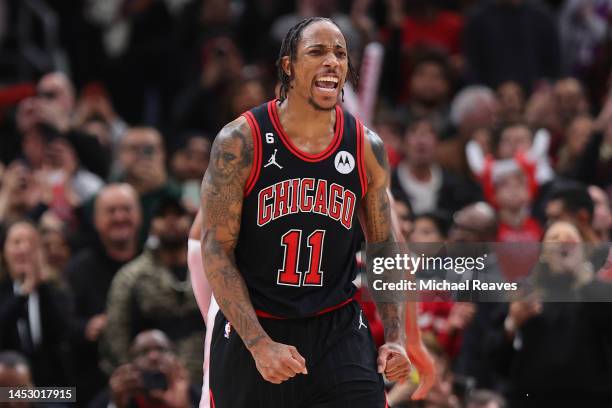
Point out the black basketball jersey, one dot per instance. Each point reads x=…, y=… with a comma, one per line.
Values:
x=300, y=231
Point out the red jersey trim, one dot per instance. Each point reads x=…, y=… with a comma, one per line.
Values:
x=256, y=167
x=212, y=400
x=312, y=158
x=267, y=315
x=363, y=179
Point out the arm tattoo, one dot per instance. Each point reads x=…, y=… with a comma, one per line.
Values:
x=391, y=316
x=378, y=147
x=376, y=201
x=222, y=197
x=378, y=227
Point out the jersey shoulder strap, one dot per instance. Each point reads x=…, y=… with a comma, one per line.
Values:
x=258, y=121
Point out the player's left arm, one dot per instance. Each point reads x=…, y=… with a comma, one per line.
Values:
x=379, y=227
x=376, y=223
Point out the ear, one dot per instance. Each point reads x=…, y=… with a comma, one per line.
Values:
x=286, y=65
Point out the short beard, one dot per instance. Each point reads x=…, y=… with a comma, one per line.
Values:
x=318, y=107
x=120, y=245
x=172, y=243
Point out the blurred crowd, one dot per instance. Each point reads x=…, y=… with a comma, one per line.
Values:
x=496, y=115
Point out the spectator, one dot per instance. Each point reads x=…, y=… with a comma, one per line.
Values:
x=201, y=23
x=59, y=91
x=32, y=141
x=200, y=105
x=443, y=319
x=473, y=109
x=538, y=335
x=511, y=102
x=571, y=202
x=511, y=40
x=404, y=215
x=576, y=138
x=602, y=216
x=430, y=227
x=420, y=180
x=154, y=291
x=514, y=148
x=554, y=107
x=595, y=164
x=53, y=110
x=21, y=193
x=570, y=100
x=477, y=226
x=422, y=25
x=429, y=86
x=56, y=250
x=389, y=126
x=33, y=312
x=188, y=165
x=14, y=372
x=141, y=164
x=153, y=377
x=512, y=197
x=190, y=160
x=94, y=115
x=117, y=218
x=55, y=152
x=426, y=24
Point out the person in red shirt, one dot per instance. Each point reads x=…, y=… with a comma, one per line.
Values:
x=425, y=24
x=513, y=200
x=411, y=28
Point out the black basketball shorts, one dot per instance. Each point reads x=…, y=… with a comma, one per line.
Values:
x=340, y=357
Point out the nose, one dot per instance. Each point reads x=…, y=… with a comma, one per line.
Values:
x=154, y=357
x=120, y=213
x=24, y=246
x=331, y=60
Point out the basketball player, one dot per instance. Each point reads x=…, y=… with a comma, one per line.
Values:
x=278, y=242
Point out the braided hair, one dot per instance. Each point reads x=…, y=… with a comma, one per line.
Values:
x=289, y=49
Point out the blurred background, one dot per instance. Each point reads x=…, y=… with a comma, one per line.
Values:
x=496, y=115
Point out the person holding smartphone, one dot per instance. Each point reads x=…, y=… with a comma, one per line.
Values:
x=154, y=377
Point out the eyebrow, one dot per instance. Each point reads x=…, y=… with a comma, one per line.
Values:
x=321, y=45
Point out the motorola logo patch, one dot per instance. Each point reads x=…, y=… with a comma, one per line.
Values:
x=344, y=162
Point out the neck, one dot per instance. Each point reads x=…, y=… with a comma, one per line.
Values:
x=298, y=114
x=421, y=172
x=513, y=216
x=172, y=257
x=121, y=252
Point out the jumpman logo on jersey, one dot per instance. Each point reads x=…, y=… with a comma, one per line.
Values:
x=272, y=160
x=361, y=323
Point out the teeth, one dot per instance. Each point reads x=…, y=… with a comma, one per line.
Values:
x=329, y=79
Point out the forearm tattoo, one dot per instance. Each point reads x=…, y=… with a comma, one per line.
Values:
x=378, y=228
x=222, y=197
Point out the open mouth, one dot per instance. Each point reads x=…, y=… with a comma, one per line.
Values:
x=327, y=84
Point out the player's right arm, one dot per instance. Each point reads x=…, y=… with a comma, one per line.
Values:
x=221, y=205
